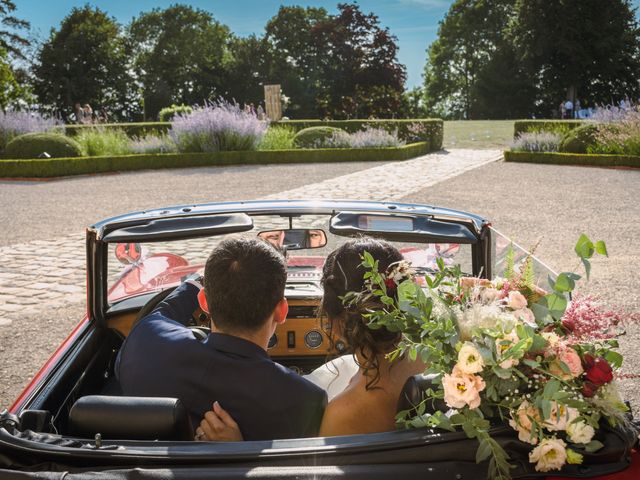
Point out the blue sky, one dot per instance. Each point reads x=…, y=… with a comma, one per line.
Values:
x=414, y=22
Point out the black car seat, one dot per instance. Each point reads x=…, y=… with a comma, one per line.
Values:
x=413, y=393
x=130, y=418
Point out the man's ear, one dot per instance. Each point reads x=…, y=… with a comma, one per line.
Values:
x=202, y=300
x=281, y=311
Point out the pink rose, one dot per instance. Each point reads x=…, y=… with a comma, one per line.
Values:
x=571, y=359
x=516, y=300
x=462, y=389
x=525, y=315
x=522, y=422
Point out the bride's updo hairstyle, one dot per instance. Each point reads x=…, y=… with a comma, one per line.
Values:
x=344, y=273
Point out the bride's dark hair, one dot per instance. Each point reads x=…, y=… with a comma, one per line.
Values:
x=344, y=273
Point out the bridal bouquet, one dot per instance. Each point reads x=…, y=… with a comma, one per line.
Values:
x=506, y=350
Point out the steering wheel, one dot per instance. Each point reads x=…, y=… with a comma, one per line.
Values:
x=198, y=318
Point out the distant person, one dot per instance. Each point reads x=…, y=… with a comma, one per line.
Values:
x=563, y=111
x=577, y=109
x=78, y=113
x=103, y=116
x=87, y=114
x=568, y=106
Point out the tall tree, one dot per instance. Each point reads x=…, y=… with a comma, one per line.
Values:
x=85, y=62
x=179, y=55
x=11, y=90
x=359, y=66
x=470, y=54
x=247, y=69
x=10, y=40
x=579, y=48
x=294, y=59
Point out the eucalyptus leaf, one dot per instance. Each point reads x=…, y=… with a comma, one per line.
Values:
x=584, y=247
x=593, y=446
x=483, y=452
x=601, y=248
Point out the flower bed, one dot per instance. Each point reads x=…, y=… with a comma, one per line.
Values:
x=596, y=160
x=523, y=126
x=58, y=167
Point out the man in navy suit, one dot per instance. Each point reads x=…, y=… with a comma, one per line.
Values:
x=244, y=289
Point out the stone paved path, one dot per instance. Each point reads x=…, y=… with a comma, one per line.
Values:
x=41, y=274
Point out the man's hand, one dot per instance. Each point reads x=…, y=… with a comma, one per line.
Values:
x=218, y=426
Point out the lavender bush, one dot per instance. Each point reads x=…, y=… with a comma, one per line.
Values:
x=367, y=138
x=152, y=144
x=217, y=127
x=619, y=132
x=13, y=124
x=537, y=142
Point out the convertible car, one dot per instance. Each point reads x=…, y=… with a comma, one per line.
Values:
x=70, y=421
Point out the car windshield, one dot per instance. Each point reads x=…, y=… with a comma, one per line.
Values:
x=139, y=268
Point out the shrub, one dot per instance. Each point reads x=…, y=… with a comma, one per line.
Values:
x=216, y=128
x=315, y=137
x=31, y=145
x=555, y=126
x=100, y=142
x=168, y=113
x=278, y=138
x=537, y=142
x=619, y=133
x=580, y=139
x=13, y=124
x=367, y=138
x=152, y=144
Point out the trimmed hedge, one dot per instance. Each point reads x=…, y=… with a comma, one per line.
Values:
x=41, y=168
x=433, y=128
x=596, y=160
x=139, y=129
x=31, y=145
x=521, y=126
x=313, y=137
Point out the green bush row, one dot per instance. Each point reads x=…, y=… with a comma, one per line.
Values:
x=139, y=129
x=431, y=128
x=57, y=167
x=558, y=126
x=573, y=159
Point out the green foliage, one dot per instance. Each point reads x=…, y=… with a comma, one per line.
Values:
x=278, y=138
x=179, y=54
x=596, y=160
x=579, y=140
x=97, y=142
x=133, y=129
x=10, y=38
x=85, y=61
x=30, y=145
x=553, y=126
x=43, y=168
x=10, y=90
x=167, y=113
x=314, y=137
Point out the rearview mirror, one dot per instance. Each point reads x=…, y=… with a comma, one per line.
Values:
x=295, y=239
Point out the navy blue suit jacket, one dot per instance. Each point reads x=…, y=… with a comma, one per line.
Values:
x=162, y=358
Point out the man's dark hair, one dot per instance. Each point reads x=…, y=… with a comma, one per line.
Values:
x=243, y=282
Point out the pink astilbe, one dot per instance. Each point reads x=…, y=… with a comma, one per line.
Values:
x=586, y=318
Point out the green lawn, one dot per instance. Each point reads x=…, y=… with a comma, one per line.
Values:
x=489, y=134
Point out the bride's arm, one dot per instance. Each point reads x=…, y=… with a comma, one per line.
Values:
x=218, y=426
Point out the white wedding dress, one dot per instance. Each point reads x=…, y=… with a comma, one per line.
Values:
x=334, y=376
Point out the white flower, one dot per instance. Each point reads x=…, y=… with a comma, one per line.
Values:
x=580, y=432
x=489, y=295
x=469, y=359
x=561, y=416
x=551, y=454
x=482, y=316
x=551, y=338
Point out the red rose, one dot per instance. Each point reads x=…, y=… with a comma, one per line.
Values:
x=589, y=389
x=598, y=370
x=390, y=283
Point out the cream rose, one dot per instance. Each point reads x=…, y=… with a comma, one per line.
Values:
x=552, y=338
x=561, y=416
x=551, y=454
x=469, y=359
x=502, y=345
x=489, y=295
x=516, y=300
x=580, y=432
x=462, y=389
x=522, y=422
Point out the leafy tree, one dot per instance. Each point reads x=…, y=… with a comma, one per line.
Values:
x=413, y=104
x=180, y=56
x=85, y=62
x=10, y=40
x=358, y=65
x=294, y=58
x=580, y=44
x=11, y=91
x=247, y=69
x=462, y=57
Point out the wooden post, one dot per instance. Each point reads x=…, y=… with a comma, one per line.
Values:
x=273, y=102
